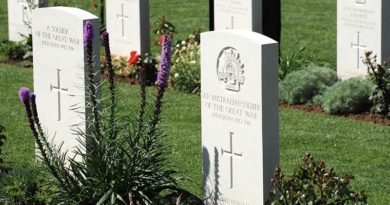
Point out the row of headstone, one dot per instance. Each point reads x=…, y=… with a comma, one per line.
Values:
x=127, y=23
x=19, y=17
x=239, y=100
x=362, y=25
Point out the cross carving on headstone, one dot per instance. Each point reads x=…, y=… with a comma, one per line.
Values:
x=360, y=1
x=59, y=90
x=24, y=8
x=231, y=155
x=123, y=18
x=359, y=47
x=231, y=23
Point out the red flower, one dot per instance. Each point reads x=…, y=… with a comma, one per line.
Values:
x=133, y=58
x=160, y=40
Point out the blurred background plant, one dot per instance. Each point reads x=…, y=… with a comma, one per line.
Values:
x=18, y=52
x=292, y=61
x=185, y=73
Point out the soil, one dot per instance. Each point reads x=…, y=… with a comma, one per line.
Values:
x=368, y=117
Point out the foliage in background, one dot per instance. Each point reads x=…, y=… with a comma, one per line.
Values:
x=185, y=74
x=349, y=96
x=380, y=77
x=291, y=61
x=2, y=139
x=302, y=86
x=125, y=160
x=18, y=51
x=163, y=27
x=312, y=183
x=26, y=186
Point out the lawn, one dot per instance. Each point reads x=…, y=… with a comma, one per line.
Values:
x=352, y=147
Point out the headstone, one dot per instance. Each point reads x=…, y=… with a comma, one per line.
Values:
x=265, y=16
x=19, y=17
x=128, y=25
x=237, y=14
x=60, y=71
x=362, y=25
x=239, y=116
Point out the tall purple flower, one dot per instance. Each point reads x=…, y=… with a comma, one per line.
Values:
x=88, y=33
x=165, y=65
x=24, y=95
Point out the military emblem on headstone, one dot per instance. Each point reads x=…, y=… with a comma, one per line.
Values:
x=230, y=69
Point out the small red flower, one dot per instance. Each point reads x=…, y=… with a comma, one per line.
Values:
x=133, y=58
x=94, y=5
x=160, y=40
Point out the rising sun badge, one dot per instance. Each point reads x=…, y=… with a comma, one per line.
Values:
x=230, y=69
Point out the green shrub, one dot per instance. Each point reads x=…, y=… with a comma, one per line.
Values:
x=311, y=183
x=380, y=76
x=185, y=73
x=301, y=86
x=349, y=96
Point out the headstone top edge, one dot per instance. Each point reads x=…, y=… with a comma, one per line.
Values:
x=243, y=33
x=71, y=10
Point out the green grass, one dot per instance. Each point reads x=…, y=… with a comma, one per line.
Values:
x=352, y=147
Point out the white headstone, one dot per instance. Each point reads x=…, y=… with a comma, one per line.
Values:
x=240, y=118
x=60, y=71
x=128, y=25
x=362, y=25
x=19, y=17
x=238, y=14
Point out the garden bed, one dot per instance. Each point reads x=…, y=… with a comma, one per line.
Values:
x=367, y=116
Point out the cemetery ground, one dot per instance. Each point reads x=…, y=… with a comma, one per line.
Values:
x=351, y=147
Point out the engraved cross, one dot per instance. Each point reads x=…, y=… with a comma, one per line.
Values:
x=231, y=155
x=359, y=47
x=59, y=90
x=231, y=23
x=123, y=18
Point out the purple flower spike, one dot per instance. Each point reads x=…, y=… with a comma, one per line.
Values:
x=31, y=95
x=105, y=37
x=165, y=65
x=24, y=94
x=88, y=33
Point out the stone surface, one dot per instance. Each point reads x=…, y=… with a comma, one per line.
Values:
x=240, y=132
x=19, y=17
x=362, y=25
x=60, y=71
x=238, y=14
x=128, y=25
